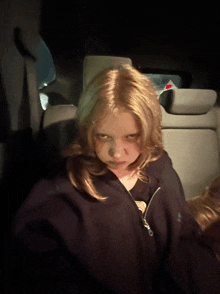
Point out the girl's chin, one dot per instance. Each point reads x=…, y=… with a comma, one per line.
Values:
x=117, y=165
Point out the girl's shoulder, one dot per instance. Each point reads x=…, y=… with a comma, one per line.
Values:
x=160, y=164
x=46, y=192
x=163, y=170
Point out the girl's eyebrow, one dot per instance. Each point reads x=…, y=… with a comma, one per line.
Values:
x=129, y=134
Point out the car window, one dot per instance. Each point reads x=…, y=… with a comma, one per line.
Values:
x=164, y=82
x=45, y=68
x=44, y=100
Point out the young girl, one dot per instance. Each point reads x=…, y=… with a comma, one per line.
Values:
x=114, y=220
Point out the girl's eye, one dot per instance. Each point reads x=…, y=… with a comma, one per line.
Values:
x=106, y=138
x=102, y=137
x=132, y=137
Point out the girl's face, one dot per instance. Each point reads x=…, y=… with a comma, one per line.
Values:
x=117, y=140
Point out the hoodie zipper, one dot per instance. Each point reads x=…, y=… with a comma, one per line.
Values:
x=145, y=223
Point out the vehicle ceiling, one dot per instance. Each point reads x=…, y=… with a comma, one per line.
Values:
x=73, y=29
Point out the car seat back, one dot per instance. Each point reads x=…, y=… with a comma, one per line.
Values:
x=92, y=65
x=59, y=127
x=189, y=127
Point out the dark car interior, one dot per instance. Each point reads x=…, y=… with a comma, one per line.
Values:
x=49, y=51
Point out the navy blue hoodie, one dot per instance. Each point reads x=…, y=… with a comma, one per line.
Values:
x=73, y=243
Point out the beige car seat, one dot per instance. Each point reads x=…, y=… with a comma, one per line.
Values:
x=189, y=127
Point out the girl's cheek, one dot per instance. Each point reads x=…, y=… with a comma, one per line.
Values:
x=99, y=146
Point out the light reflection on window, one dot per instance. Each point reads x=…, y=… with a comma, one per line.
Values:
x=44, y=100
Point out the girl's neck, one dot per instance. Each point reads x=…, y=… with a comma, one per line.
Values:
x=125, y=174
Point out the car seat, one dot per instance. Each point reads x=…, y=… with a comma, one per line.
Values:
x=20, y=113
x=189, y=127
x=92, y=65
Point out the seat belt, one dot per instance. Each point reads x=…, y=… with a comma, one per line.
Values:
x=31, y=80
x=33, y=95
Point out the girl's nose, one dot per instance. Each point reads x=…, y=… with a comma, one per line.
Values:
x=117, y=154
x=116, y=151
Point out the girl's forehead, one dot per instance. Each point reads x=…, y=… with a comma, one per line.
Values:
x=118, y=121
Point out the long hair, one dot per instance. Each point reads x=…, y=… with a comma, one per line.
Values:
x=124, y=88
x=206, y=211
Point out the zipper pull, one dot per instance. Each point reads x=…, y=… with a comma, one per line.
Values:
x=146, y=225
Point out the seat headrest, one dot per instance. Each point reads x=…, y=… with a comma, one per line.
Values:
x=59, y=129
x=92, y=65
x=58, y=113
x=188, y=101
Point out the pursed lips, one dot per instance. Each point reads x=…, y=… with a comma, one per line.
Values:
x=117, y=162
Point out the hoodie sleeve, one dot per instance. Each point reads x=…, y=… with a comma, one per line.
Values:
x=187, y=258
x=38, y=239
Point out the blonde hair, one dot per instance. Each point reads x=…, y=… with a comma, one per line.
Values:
x=126, y=89
x=206, y=211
